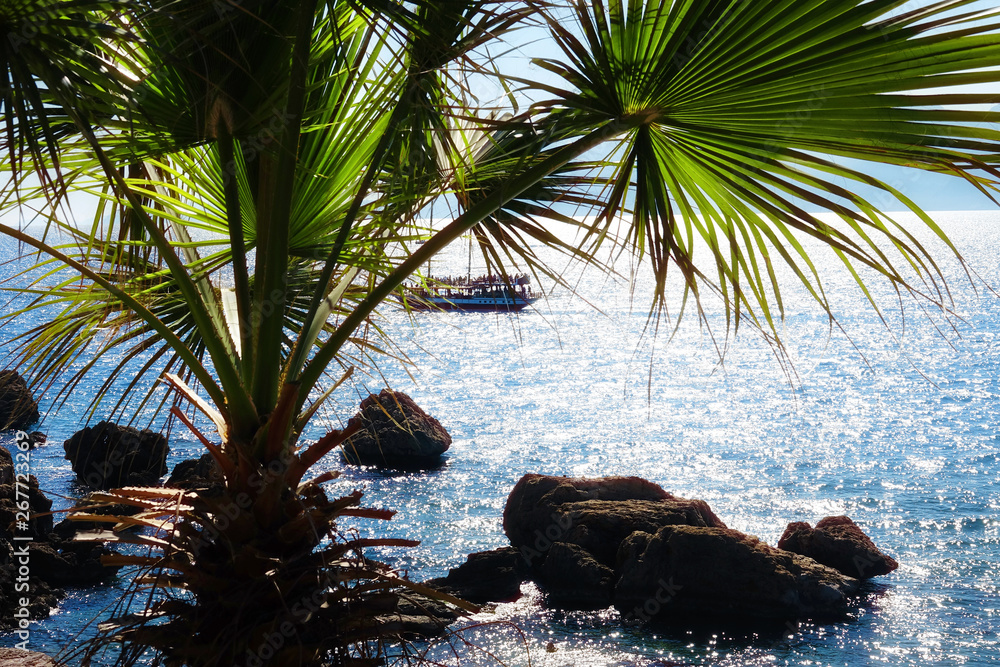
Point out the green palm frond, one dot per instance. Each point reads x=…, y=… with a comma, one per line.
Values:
x=56, y=68
x=740, y=114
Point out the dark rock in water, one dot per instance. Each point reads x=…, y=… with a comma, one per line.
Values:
x=595, y=514
x=626, y=541
x=15, y=657
x=838, y=542
x=396, y=433
x=419, y=616
x=6, y=468
x=41, y=597
x=691, y=571
x=73, y=564
x=108, y=456
x=37, y=439
x=53, y=560
x=486, y=576
x=40, y=594
x=18, y=408
x=409, y=615
x=600, y=526
x=573, y=578
x=414, y=604
x=38, y=526
x=195, y=474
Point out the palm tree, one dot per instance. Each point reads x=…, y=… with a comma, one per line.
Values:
x=263, y=169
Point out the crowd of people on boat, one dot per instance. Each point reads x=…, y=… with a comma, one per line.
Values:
x=491, y=279
x=488, y=286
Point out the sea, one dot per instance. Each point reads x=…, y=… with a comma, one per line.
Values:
x=889, y=416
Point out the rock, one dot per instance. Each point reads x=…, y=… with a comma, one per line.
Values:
x=395, y=433
x=595, y=514
x=600, y=526
x=420, y=616
x=409, y=615
x=414, y=604
x=107, y=456
x=38, y=526
x=15, y=657
x=40, y=596
x=6, y=467
x=37, y=439
x=18, y=408
x=413, y=627
x=197, y=473
x=73, y=564
x=573, y=578
x=691, y=571
x=486, y=576
x=628, y=542
x=53, y=560
x=839, y=543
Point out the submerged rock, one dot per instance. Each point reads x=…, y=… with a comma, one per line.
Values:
x=838, y=542
x=396, y=433
x=18, y=408
x=108, y=456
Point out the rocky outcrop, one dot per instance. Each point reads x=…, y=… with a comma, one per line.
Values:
x=46, y=563
x=38, y=526
x=718, y=572
x=594, y=514
x=197, y=473
x=68, y=563
x=419, y=617
x=40, y=595
x=18, y=408
x=486, y=576
x=627, y=542
x=395, y=432
x=107, y=456
x=838, y=542
x=15, y=657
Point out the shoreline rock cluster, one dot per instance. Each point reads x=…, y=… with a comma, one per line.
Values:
x=588, y=543
x=626, y=542
x=56, y=561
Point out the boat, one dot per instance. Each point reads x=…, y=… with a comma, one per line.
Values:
x=491, y=294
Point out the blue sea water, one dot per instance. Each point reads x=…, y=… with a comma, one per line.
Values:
x=893, y=424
